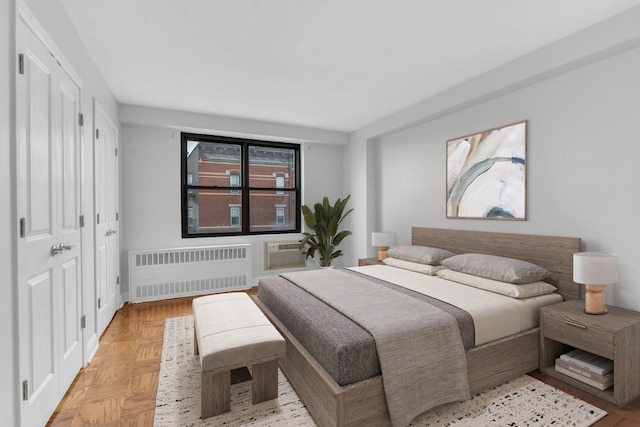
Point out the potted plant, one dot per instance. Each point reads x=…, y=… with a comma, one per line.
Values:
x=324, y=237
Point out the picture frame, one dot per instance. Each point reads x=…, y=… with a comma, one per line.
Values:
x=487, y=174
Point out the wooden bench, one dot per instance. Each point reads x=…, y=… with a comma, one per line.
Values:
x=230, y=332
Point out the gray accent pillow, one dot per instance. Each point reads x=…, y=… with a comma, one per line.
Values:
x=419, y=254
x=497, y=268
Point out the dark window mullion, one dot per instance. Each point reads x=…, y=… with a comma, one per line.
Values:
x=211, y=188
x=244, y=185
x=271, y=189
x=298, y=187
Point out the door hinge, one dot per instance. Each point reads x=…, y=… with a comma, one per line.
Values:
x=117, y=216
x=81, y=221
x=80, y=119
x=25, y=390
x=83, y=321
x=118, y=280
x=116, y=151
x=21, y=63
x=23, y=227
x=97, y=133
x=99, y=303
x=97, y=218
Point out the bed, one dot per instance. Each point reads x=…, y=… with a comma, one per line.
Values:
x=363, y=402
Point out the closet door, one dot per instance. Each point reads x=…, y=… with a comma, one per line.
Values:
x=69, y=233
x=48, y=208
x=113, y=245
x=106, y=207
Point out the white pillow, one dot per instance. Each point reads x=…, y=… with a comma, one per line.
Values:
x=413, y=266
x=508, y=289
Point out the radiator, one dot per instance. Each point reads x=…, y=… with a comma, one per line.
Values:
x=170, y=273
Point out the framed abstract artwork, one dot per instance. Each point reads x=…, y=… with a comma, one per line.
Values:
x=486, y=174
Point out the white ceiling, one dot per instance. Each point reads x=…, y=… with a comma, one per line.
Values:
x=330, y=64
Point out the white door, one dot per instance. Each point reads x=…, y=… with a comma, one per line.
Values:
x=113, y=245
x=106, y=208
x=48, y=208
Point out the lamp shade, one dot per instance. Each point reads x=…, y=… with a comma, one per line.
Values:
x=383, y=238
x=595, y=268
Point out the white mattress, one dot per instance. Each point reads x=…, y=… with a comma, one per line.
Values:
x=495, y=316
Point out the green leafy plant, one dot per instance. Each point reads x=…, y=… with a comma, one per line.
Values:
x=323, y=222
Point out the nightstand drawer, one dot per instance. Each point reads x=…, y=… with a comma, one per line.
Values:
x=579, y=335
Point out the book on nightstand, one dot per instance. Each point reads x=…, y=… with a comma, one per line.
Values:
x=601, y=382
x=594, y=380
x=591, y=362
x=584, y=372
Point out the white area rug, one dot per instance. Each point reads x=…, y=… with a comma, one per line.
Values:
x=524, y=401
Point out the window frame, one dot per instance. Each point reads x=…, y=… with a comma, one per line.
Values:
x=244, y=189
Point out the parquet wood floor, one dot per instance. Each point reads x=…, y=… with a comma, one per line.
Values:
x=119, y=386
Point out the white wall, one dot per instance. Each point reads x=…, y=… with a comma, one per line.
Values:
x=581, y=171
x=150, y=147
x=8, y=337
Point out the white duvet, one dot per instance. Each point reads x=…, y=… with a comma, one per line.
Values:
x=495, y=316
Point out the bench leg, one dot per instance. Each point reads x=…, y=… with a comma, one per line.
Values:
x=195, y=340
x=265, y=381
x=215, y=393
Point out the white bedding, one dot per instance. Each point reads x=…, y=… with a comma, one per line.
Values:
x=495, y=316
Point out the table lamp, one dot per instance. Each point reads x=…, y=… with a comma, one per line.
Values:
x=595, y=270
x=383, y=240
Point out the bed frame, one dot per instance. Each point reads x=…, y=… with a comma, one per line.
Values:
x=488, y=365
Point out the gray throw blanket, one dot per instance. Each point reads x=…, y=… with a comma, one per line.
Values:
x=421, y=353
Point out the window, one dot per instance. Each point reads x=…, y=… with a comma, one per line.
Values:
x=235, y=215
x=234, y=181
x=280, y=215
x=280, y=183
x=232, y=186
x=190, y=218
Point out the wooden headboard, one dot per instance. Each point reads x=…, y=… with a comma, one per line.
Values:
x=551, y=252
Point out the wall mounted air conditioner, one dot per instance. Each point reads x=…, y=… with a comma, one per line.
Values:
x=283, y=255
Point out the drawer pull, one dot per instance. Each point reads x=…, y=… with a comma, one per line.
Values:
x=577, y=325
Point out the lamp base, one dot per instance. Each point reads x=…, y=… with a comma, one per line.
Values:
x=600, y=312
x=382, y=252
x=594, y=300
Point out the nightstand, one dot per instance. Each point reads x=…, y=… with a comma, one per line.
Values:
x=615, y=336
x=368, y=261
